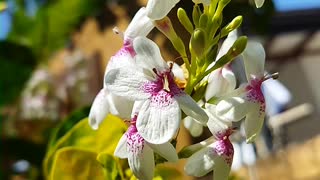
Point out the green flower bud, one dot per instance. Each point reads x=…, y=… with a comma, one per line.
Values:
x=238, y=46
x=184, y=20
x=234, y=24
x=165, y=26
x=198, y=42
x=203, y=21
x=196, y=13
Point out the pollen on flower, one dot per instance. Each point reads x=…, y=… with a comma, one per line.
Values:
x=163, y=89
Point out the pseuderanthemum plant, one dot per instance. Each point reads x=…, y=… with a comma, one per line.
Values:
x=139, y=85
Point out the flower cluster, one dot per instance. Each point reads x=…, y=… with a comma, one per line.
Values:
x=139, y=85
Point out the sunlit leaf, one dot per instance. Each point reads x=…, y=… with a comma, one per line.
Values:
x=81, y=135
x=67, y=124
x=164, y=172
x=76, y=163
x=3, y=6
x=111, y=166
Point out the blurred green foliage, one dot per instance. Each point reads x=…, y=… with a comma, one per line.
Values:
x=34, y=38
x=82, y=136
x=16, y=65
x=52, y=24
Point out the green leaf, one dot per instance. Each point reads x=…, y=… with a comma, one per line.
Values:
x=111, y=165
x=67, y=124
x=105, y=139
x=164, y=172
x=16, y=65
x=76, y=163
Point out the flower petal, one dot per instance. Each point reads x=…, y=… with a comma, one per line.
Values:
x=215, y=124
x=259, y=3
x=221, y=168
x=227, y=43
x=99, y=109
x=148, y=54
x=232, y=108
x=177, y=70
x=193, y=126
x=158, y=9
x=254, y=122
x=159, y=119
x=254, y=58
x=165, y=150
x=142, y=164
x=189, y=150
x=200, y=163
x=126, y=82
x=121, y=149
x=204, y=2
x=220, y=82
x=120, y=106
x=140, y=25
x=191, y=108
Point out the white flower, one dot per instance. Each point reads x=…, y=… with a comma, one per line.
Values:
x=220, y=82
x=204, y=2
x=152, y=82
x=140, y=153
x=142, y=23
x=158, y=9
x=248, y=100
x=216, y=156
x=259, y=3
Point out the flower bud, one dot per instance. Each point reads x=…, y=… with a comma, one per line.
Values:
x=196, y=15
x=165, y=26
x=234, y=24
x=238, y=46
x=184, y=20
x=203, y=21
x=198, y=42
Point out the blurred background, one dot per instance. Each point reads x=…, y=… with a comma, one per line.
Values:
x=52, y=59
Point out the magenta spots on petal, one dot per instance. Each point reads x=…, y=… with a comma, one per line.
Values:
x=135, y=143
x=126, y=49
x=162, y=96
x=254, y=93
x=223, y=147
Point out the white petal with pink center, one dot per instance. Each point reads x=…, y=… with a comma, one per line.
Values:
x=152, y=80
x=216, y=156
x=248, y=100
x=140, y=153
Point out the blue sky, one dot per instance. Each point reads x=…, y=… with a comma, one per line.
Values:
x=289, y=5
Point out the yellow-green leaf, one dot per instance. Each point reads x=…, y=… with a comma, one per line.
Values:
x=81, y=135
x=75, y=163
x=111, y=166
x=3, y=6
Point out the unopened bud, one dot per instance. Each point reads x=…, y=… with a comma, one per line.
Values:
x=184, y=20
x=196, y=13
x=203, y=21
x=234, y=24
x=198, y=42
x=238, y=46
x=165, y=26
